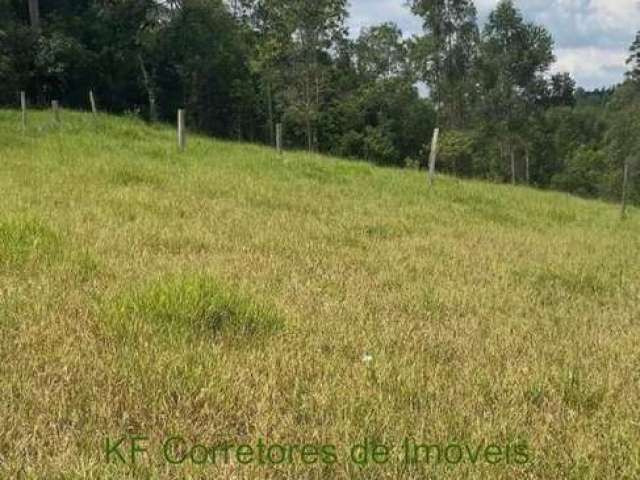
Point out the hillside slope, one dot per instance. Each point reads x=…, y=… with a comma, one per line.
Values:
x=230, y=294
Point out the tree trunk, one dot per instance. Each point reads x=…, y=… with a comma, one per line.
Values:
x=309, y=139
x=308, y=110
x=270, y=112
x=526, y=159
x=306, y=69
x=151, y=91
x=34, y=14
x=316, y=109
x=512, y=155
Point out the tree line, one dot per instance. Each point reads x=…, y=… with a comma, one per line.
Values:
x=239, y=67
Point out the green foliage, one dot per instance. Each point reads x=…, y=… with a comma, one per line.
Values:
x=625, y=120
x=377, y=146
x=561, y=90
x=623, y=141
x=456, y=152
x=634, y=59
x=556, y=137
x=585, y=173
x=444, y=56
x=514, y=56
x=385, y=121
x=523, y=49
x=350, y=145
x=412, y=163
x=381, y=52
x=212, y=83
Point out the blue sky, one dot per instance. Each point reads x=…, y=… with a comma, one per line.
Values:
x=592, y=36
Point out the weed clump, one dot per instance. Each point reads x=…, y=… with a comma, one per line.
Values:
x=22, y=240
x=196, y=306
x=579, y=395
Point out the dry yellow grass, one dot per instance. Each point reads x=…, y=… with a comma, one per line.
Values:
x=229, y=294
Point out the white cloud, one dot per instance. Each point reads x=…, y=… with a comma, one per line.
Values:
x=365, y=13
x=592, y=36
x=592, y=66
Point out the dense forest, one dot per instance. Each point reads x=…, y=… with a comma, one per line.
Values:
x=240, y=67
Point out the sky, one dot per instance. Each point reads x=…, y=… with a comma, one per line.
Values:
x=592, y=37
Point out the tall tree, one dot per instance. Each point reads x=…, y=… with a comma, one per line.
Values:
x=153, y=19
x=445, y=54
x=318, y=25
x=634, y=59
x=381, y=52
x=210, y=82
x=514, y=56
x=624, y=142
x=271, y=33
x=562, y=90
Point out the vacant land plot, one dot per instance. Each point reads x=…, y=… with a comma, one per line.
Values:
x=228, y=294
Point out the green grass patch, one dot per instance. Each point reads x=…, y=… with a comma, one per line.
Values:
x=85, y=266
x=191, y=307
x=24, y=240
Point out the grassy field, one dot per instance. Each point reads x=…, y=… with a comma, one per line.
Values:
x=228, y=294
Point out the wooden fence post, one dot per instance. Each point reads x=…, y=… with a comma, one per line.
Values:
x=433, y=155
x=92, y=99
x=55, y=106
x=625, y=181
x=182, y=134
x=279, y=137
x=23, y=107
